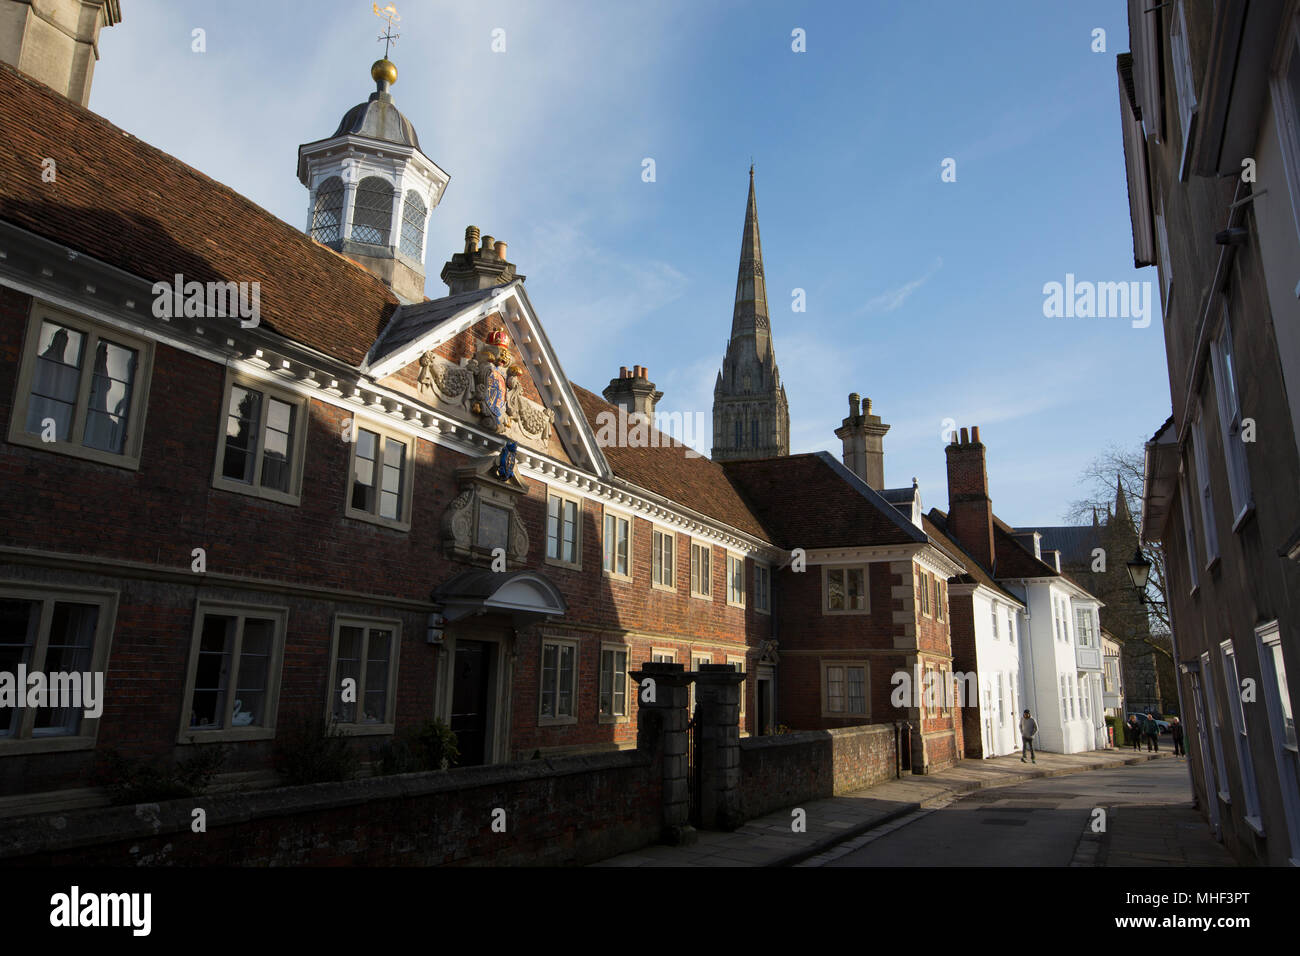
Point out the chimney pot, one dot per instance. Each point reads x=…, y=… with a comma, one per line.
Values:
x=975, y=433
x=965, y=439
x=853, y=404
x=471, y=239
x=866, y=407
x=622, y=371
x=487, y=245
x=500, y=248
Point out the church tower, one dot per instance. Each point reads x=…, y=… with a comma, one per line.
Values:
x=372, y=189
x=751, y=418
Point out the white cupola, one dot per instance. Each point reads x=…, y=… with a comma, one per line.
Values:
x=372, y=189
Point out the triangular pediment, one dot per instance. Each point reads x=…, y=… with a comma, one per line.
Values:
x=483, y=358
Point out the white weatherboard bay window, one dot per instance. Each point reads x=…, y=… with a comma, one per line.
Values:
x=844, y=689
x=662, y=547
x=1234, y=449
x=845, y=590
x=53, y=631
x=260, y=447
x=82, y=389
x=233, y=684
x=1084, y=627
x=613, y=681
x=562, y=530
x=559, y=689
x=1232, y=685
x=1206, y=494
x=1281, y=719
x=379, y=483
x=617, y=545
x=363, y=674
x=701, y=570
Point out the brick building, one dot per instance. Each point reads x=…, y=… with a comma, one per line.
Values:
x=254, y=477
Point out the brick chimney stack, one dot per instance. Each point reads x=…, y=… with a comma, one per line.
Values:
x=970, y=513
x=634, y=392
x=482, y=264
x=863, y=435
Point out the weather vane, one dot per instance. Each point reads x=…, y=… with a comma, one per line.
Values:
x=389, y=13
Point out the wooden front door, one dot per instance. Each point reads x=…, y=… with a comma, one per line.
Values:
x=471, y=700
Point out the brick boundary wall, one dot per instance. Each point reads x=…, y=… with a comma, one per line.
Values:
x=783, y=770
x=561, y=811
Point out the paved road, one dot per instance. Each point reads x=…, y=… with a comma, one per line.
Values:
x=1040, y=824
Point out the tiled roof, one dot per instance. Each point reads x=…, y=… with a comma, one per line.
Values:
x=813, y=501
x=692, y=480
x=936, y=526
x=135, y=207
x=1012, y=559
x=413, y=321
x=1075, y=542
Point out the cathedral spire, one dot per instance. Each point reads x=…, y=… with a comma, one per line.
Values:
x=751, y=418
x=750, y=315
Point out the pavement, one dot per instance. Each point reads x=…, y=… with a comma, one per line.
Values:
x=832, y=822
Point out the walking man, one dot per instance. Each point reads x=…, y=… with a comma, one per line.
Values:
x=1152, y=732
x=1176, y=731
x=1131, y=732
x=1028, y=728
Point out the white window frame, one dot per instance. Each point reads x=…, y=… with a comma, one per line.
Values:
x=866, y=588
x=557, y=558
x=241, y=612
x=762, y=587
x=1180, y=58
x=993, y=614
x=385, y=434
x=735, y=574
x=297, y=441
x=1268, y=638
x=1286, y=111
x=557, y=719
x=613, y=715
x=1189, y=531
x=1164, y=268
x=72, y=445
x=1227, y=391
x=1232, y=686
x=663, y=655
x=1205, y=491
x=1215, y=728
x=826, y=666
x=697, y=658
x=939, y=593
x=366, y=624
x=612, y=570
x=24, y=741
x=738, y=662
x=701, y=576
x=663, y=544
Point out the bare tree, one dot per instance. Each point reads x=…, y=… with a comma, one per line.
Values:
x=1125, y=466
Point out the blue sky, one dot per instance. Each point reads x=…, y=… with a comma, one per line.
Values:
x=926, y=296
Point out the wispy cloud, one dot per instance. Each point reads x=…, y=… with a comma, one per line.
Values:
x=894, y=298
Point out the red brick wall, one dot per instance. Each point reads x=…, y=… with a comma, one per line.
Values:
x=411, y=820
x=782, y=771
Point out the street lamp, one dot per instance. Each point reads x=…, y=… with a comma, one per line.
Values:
x=1139, y=571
